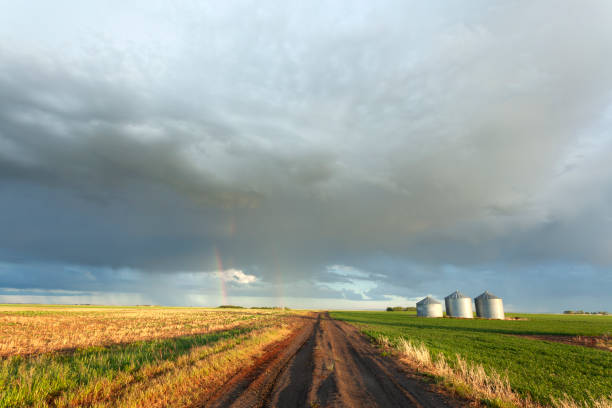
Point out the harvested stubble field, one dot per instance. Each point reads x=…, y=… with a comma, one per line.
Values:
x=538, y=372
x=92, y=356
x=32, y=329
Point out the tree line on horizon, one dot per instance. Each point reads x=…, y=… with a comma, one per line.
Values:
x=401, y=309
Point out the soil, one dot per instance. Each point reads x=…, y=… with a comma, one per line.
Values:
x=327, y=363
x=598, y=342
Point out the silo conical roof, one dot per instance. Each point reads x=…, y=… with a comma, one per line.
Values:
x=456, y=295
x=428, y=301
x=487, y=295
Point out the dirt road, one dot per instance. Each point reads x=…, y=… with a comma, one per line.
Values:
x=326, y=364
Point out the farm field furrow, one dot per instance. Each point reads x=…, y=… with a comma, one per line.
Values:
x=540, y=370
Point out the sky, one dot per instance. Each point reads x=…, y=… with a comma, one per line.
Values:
x=347, y=154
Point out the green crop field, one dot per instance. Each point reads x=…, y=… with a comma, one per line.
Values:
x=539, y=369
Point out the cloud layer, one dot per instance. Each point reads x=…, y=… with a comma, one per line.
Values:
x=401, y=140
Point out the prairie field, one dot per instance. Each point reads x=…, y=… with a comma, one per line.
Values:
x=92, y=356
x=128, y=356
x=539, y=372
x=39, y=329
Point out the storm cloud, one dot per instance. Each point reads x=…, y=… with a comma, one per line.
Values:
x=349, y=151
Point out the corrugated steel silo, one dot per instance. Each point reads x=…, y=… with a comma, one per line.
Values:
x=429, y=307
x=489, y=306
x=458, y=305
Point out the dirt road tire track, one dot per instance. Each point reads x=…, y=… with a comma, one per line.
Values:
x=327, y=364
x=252, y=387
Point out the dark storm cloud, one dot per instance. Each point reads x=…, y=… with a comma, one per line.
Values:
x=400, y=140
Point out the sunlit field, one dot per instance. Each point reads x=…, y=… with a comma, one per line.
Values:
x=39, y=329
x=541, y=371
x=98, y=356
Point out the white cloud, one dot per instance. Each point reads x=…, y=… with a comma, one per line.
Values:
x=236, y=275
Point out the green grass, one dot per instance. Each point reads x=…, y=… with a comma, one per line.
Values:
x=25, y=381
x=539, y=369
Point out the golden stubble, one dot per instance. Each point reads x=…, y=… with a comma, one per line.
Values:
x=33, y=330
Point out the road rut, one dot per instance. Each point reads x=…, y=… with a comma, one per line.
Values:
x=326, y=364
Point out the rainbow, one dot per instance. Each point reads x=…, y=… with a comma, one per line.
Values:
x=222, y=288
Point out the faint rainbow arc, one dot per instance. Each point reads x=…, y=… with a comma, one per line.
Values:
x=222, y=288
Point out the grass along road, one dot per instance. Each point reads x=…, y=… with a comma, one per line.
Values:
x=539, y=370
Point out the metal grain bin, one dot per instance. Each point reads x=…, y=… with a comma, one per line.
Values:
x=429, y=307
x=489, y=306
x=458, y=305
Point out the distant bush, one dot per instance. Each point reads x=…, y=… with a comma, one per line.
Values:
x=254, y=307
x=270, y=307
x=583, y=312
x=401, y=309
